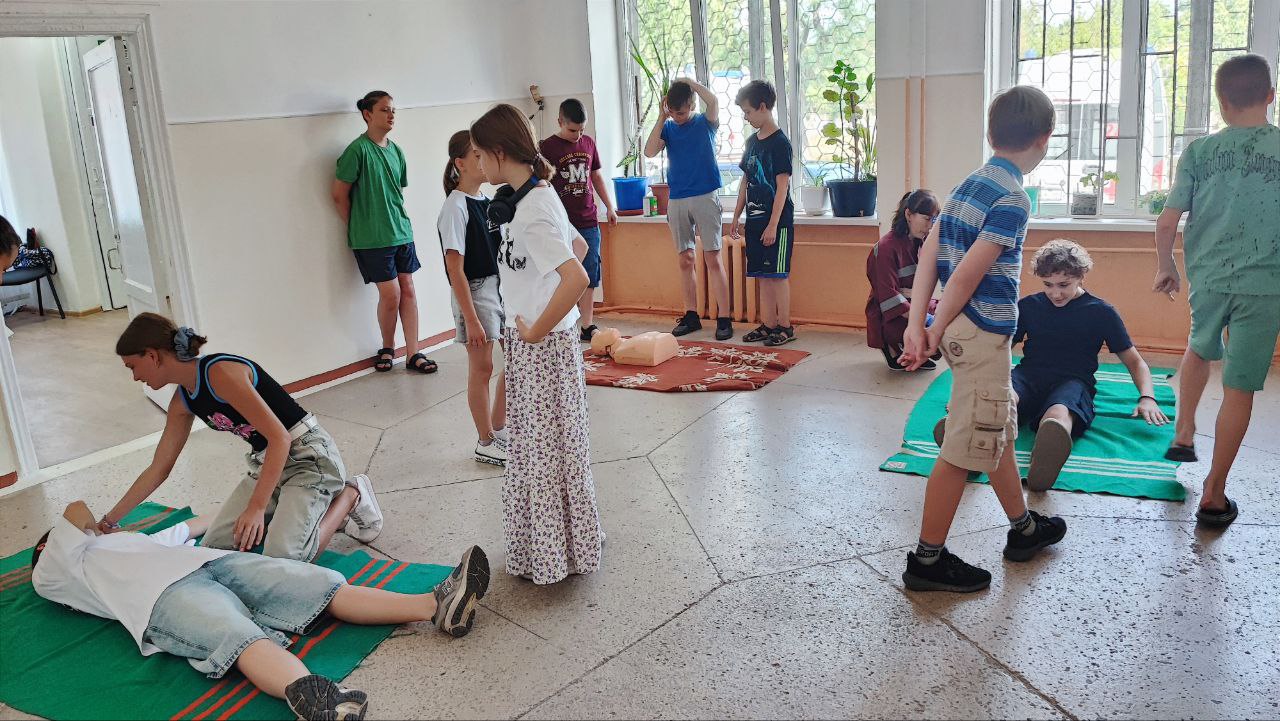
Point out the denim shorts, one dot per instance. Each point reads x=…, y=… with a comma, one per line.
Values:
x=486, y=297
x=591, y=261
x=212, y=615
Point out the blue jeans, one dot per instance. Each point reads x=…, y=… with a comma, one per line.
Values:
x=592, y=260
x=212, y=615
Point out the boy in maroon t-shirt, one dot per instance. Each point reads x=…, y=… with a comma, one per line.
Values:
x=573, y=155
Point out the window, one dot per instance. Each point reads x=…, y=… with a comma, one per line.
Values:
x=728, y=43
x=1132, y=83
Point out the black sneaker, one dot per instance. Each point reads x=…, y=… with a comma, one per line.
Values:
x=724, y=328
x=757, y=335
x=588, y=332
x=1049, y=530
x=949, y=573
x=316, y=697
x=688, y=323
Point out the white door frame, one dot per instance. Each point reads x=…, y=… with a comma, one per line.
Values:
x=157, y=186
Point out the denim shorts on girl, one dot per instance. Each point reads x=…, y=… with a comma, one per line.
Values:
x=487, y=299
x=212, y=615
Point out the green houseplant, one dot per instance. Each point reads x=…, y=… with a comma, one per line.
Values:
x=1154, y=201
x=658, y=74
x=852, y=135
x=813, y=195
x=1084, y=203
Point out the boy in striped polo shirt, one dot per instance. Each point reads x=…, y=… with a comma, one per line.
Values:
x=975, y=249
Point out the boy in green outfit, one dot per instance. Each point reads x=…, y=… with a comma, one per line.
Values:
x=1230, y=183
x=368, y=191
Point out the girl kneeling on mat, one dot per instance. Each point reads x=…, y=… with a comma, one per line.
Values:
x=548, y=497
x=295, y=474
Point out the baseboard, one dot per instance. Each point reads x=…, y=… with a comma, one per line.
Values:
x=350, y=368
x=54, y=311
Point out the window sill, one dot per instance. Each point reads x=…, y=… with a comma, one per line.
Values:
x=800, y=219
x=1119, y=225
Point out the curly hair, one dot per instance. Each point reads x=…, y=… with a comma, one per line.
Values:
x=1062, y=256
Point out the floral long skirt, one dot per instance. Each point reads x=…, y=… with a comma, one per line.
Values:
x=549, y=511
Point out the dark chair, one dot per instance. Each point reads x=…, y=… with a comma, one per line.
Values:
x=34, y=263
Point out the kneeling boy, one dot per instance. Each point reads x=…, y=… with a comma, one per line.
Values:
x=222, y=608
x=1062, y=330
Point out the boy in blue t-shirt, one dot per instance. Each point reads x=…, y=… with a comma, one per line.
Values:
x=694, y=207
x=975, y=248
x=765, y=195
x=1062, y=330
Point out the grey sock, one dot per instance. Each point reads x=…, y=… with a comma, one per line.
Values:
x=927, y=553
x=1024, y=524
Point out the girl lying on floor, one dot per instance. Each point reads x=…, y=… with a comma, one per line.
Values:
x=220, y=608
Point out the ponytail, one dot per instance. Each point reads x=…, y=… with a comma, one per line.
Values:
x=459, y=146
x=917, y=201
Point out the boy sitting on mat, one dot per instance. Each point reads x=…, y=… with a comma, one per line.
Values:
x=1062, y=331
x=221, y=608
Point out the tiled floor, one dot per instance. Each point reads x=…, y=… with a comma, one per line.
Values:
x=753, y=561
x=77, y=395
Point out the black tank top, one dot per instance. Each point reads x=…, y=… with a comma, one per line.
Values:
x=482, y=241
x=220, y=416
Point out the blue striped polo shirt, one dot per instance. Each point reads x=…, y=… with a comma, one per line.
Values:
x=988, y=205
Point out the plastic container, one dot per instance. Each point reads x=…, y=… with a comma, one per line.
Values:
x=630, y=193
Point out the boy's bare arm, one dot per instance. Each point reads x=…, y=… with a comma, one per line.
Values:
x=1140, y=372
x=197, y=526
x=709, y=101
x=1167, y=281
x=654, y=144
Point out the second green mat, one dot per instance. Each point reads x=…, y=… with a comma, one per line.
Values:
x=1119, y=454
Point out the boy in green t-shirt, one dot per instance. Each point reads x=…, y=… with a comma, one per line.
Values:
x=367, y=191
x=1230, y=183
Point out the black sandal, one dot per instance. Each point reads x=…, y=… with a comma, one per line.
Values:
x=382, y=365
x=1218, y=518
x=1181, y=453
x=780, y=336
x=425, y=366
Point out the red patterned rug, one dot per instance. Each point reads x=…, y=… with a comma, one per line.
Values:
x=700, y=366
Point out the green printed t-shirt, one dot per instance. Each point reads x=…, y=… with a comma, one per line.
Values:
x=376, y=174
x=1230, y=184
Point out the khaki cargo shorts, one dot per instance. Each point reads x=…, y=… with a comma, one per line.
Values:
x=982, y=417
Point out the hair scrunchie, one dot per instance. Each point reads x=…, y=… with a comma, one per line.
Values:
x=182, y=343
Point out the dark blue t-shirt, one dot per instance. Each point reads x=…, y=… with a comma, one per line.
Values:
x=691, y=154
x=1064, y=342
x=762, y=162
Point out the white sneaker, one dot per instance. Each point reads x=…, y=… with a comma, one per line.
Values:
x=366, y=517
x=503, y=435
x=495, y=453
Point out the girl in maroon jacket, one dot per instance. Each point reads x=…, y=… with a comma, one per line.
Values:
x=891, y=268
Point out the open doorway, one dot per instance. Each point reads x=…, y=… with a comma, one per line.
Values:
x=71, y=154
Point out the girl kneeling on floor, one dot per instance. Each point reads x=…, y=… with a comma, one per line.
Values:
x=549, y=503
x=295, y=478
x=470, y=245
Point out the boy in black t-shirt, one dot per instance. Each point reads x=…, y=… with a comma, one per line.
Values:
x=765, y=194
x=1062, y=330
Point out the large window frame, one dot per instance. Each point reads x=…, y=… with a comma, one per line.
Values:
x=774, y=47
x=1126, y=129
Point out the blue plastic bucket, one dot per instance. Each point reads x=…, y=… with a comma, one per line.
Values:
x=630, y=192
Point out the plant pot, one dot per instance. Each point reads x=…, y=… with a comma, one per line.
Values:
x=662, y=192
x=629, y=193
x=1084, y=205
x=814, y=199
x=1156, y=207
x=852, y=198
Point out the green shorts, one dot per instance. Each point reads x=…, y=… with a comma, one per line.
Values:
x=1253, y=323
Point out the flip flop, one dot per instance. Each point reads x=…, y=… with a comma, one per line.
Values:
x=1053, y=447
x=1181, y=453
x=1218, y=519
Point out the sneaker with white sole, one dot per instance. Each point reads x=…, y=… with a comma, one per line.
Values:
x=495, y=453
x=457, y=595
x=316, y=697
x=366, y=516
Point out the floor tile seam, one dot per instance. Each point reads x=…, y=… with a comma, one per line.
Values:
x=439, y=485
x=374, y=453
x=624, y=649
x=687, y=522
x=1179, y=521
x=1013, y=673
x=406, y=419
x=321, y=416
x=728, y=397
x=515, y=623
x=784, y=381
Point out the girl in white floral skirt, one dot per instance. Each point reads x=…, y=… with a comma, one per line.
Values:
x=548, y=497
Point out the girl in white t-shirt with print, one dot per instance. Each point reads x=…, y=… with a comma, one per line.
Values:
x=550, y=519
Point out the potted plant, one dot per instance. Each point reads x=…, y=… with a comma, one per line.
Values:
x=629, y=189
x=853, y=194
x=813, y=196
x=1154, y=201
x=659, y=74
x=1085, y=202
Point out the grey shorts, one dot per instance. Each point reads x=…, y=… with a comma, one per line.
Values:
x=487, y=300
x=700, y=214
x=212, y=615
x=312, y=477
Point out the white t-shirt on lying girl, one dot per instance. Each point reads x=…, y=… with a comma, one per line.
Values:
x=536, y=242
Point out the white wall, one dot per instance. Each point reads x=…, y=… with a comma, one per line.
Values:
x=41, y=155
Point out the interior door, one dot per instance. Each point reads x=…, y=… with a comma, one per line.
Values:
x=131, y=254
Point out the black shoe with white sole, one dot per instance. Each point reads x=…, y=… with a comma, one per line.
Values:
x=316, y=698
x=948, y=573
x=456, y=596
x=1049, y=530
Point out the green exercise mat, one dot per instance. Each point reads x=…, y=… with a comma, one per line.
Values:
x=1119, y=454
x=63, y=664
